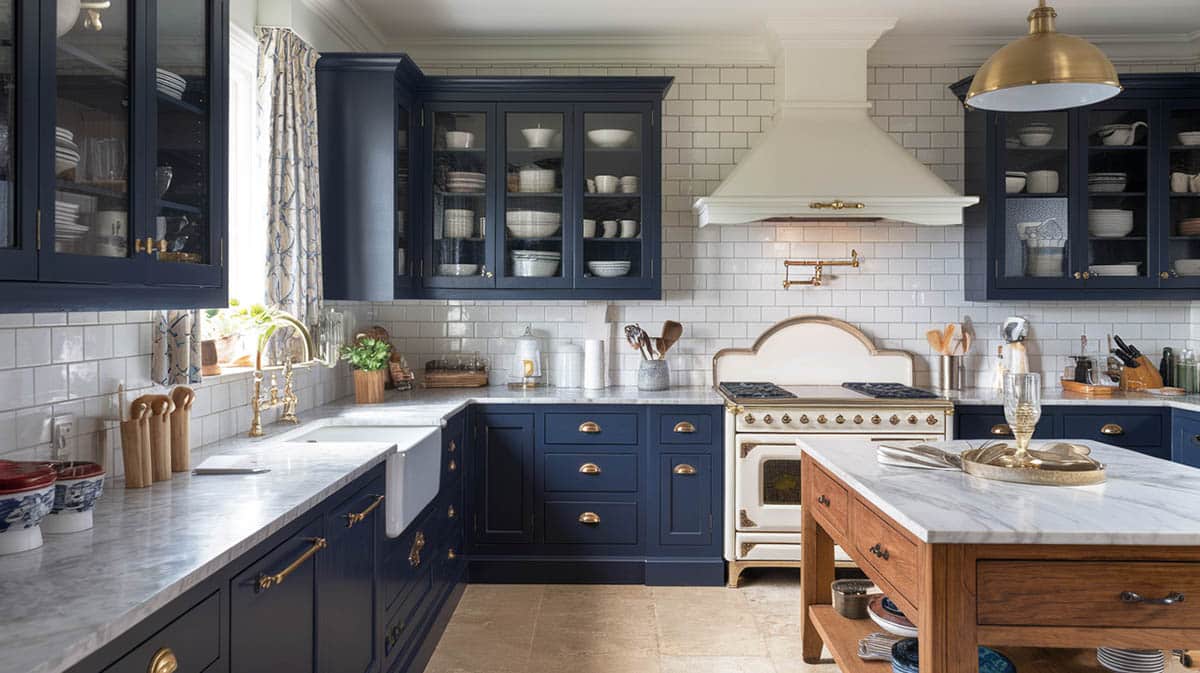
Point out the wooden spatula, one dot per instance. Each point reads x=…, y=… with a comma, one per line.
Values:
x=934, y=337
x=671, y=333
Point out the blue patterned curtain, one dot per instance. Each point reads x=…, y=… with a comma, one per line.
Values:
x=176, y=355
x=287, y=99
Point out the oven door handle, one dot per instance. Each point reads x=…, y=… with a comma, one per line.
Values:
x=747, y=447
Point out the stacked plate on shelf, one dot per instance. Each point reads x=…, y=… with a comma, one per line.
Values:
x=169, y=84
x=1189, y=226
x=535, y=263
x=66, y=222
x=464, y=182
x=609, y=268
x=1131, y=661
x=66, y=152
x=1106, y=182
x=1126, y=269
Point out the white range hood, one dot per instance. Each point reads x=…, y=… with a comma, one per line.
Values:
x=824, y=158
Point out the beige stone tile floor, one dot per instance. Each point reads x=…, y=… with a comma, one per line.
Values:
x=540, y=628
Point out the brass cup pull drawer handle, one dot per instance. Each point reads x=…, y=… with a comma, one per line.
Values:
x=684, y=427
x=822, y=500
x=163, y=661
x=1134, y=597
x=879, y=551
x=589, y=518
x=1001, y=430
x=357, y=517
x=589, y=427
x=589, y=468
x=267, y=581
x=1196, y=439
x=414, y=554
x=1111, y=429
x=684, y=469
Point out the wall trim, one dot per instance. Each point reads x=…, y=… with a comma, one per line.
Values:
x=346, y=20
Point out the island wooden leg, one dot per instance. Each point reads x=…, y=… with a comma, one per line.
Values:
x=946, y=621
x=816, y=574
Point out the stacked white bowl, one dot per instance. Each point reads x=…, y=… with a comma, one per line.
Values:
x=459, y=223
x=1106, y=182
x=465, y=181
x=535, y=263
x=1189, y=138
x=1187, y=267
x=609, y=138
x=1036, y=134
x=536, y=180
x=1109, y=222
x=609, y=268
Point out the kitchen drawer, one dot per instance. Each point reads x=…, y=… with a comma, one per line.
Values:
x=685, y=428
x=402, y=571
x=1123, y=429
x=1086, y=593
x=885, y=549
x=452, y=452
x=832, y=501
x=614, y=523
x=978, y=423
x=604, y=427
x=590, y=472
x=194, y=640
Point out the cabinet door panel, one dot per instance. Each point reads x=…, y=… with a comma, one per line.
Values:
x=346, y=585
x=1179, y=190
x=685, y=499
x=18, y=141
x=1185, y=443
x=503, y=476
x=978, y=422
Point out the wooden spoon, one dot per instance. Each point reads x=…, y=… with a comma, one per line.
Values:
x=934, y=337
x=671, y=333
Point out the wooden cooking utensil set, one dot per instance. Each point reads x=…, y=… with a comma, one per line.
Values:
x=155, y=437
x=653, y=348
x=953, y=340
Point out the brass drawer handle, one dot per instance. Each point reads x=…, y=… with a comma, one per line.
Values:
x=414, y=554
x=451, y=554
x=822, y=500
x=589, y=468
x=684, y=469
x=879, y=551
x=1133, y=597
x=163, y=661
x=589, y=518
x=1111, y=429
x=836, y=204
x=357, y=517
x=267, y=581
x=1001, y=429
x=590, y=427
x=684, y=427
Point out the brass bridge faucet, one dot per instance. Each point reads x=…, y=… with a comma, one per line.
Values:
x=289, y=400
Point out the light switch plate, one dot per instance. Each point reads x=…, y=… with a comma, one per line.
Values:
x=62, y=429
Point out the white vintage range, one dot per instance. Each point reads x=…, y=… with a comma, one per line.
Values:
x=793, y=383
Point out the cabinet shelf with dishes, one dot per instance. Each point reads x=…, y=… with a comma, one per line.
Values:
x=1086, y=203
x=498, y=201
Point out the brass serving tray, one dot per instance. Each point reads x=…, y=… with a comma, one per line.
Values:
x=1059, y=464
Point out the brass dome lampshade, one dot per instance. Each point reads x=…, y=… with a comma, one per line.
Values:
x=1045, y=70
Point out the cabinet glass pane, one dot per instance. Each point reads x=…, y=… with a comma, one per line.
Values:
x=1184, y=242
x=402, y=186
x=459, y=193
x=1118, y=165
x=612, y=203
x=533, y=240
x=8, y=89
x=91, y=158
x=1037, y=230
x=181, y=171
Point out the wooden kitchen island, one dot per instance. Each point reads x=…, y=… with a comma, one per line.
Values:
x=1043, y=574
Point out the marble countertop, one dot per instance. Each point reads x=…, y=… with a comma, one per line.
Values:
x=78, y=592
x=1056, y=395
x=1146, y=501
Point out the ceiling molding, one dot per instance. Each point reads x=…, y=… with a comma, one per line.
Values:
x=346, y=20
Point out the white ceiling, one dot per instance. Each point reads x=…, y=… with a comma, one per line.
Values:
x=393, y=20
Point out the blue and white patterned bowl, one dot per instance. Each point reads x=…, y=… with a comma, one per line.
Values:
x=26, y=498
x=78, y=487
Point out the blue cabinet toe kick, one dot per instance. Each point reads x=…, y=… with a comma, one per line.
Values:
x=609, y=570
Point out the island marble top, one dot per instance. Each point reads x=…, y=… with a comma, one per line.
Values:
x=1146, y=501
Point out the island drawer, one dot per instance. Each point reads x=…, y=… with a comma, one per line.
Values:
x=1130, y=428
x=832, y=500
x=1088, y=593
x=591, y=472
x=885, y=549
x=590, y=522
x=193, y=641
x=591, y=427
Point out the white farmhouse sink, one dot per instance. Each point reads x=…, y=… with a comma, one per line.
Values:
x=414, y=469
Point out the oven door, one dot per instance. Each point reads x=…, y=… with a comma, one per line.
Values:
x=767, y=491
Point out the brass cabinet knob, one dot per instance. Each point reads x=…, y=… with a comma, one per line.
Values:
x=858, y=419
x=839, y=419
x=162, y=245
x=1001, y=430
x=1078, y=275
x=451, y=554
x=589, y=518
x=684, y=469
x=452, y=447
x=804, y=419
x=749, y=418
x=451, y=513
x=768, y=419
x=894, y=420
x=589, y=427
x=453, y=466
x=931, y=419
x=912, y=420
x=163, y=661
x=1111, y=429
x=589, y=468
x=822, y=420
x=1164, y=275
x=486, y=273
x=684, y=427
x=876, y=420
x=786, y=419
x=1082, y=275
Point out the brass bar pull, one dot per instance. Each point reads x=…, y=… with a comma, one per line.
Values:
x=590, y=427
x=589, y=468
x=137, y=245
x=684, y=427
x=163, y=661
x=414, y=554
x=684, y=469
x=1001, y=430
x=836, y=204
x=589, y=518
x=357, y=517
x=162, y=245
x=1111, y=429
x=267, y=581
x=1134, y=597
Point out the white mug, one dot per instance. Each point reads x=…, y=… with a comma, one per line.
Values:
x=591, y=185
x=1180, y=182
x=610, y=228
x=589, y=228
x=629, y=228
x=1042, y=182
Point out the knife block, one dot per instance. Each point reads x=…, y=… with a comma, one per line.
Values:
x=1141, y=378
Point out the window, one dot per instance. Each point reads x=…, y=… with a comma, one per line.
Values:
x=247, y=174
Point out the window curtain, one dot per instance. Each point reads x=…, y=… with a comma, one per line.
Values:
x=175, y=357
x=287, y=101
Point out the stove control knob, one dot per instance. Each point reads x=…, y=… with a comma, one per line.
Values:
x=857, y=420
x=931, y=419
x=840, y=419
x=768, y=419
x=912, y=420
x=822, y=420
x=894, y=420
x=876, y=420
x=786, y=419
x=749, y=418
x=804, y=419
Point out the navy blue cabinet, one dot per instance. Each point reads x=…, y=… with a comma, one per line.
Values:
x=113, y=193
x=1185, y=437
x=1142, y=429
x=495, y=187
x=1079, y=204
x=503, y=478
x=346, y=583
x=685, y=500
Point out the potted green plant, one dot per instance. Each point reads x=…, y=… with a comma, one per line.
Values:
x=368, y=358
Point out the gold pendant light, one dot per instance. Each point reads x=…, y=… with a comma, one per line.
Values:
x=1045, y=70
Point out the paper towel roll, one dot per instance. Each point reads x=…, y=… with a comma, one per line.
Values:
x=593, y=364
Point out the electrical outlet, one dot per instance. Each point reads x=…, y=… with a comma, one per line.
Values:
x=62, y=429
